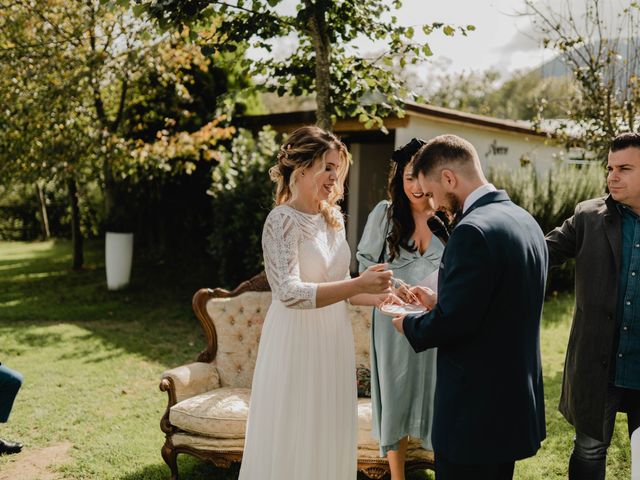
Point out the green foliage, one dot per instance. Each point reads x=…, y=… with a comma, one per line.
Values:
x=524, y=96
x=551, y=198
x=18, y=207
x=94, y=93
x=325, y=60
x=242, y=195
x=21, y=216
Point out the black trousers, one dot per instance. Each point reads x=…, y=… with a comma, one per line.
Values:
x=10, y=382
x=446, y=470
x=589, y=458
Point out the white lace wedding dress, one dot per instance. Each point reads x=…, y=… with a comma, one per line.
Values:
x=302, y=421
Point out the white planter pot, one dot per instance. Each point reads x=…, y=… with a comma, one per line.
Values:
x=118, y=257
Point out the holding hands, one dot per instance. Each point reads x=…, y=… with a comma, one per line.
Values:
x=417, y=295
x=373, y=287
x=425, y=296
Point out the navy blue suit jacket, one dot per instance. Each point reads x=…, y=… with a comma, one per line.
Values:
x=489, y=402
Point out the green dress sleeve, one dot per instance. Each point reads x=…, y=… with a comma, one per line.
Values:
x=373, y=237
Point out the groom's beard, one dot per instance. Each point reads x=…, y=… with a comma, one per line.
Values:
x=453, y=203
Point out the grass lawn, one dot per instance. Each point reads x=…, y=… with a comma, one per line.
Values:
x=92, y=361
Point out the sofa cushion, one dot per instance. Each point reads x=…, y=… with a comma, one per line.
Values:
x=220, y=413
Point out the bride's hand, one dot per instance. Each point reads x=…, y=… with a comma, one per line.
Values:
x=376, y=279
x=404, y=293
x=388, y=299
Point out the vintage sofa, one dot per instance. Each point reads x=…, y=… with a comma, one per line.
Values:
x=208, y=400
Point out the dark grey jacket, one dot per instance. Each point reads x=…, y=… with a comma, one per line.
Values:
x=593, y=237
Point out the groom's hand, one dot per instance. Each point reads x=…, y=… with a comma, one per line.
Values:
x=426, y=296
x=397, y=323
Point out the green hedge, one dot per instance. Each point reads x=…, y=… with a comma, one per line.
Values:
x=551, y=198
x=242, y=196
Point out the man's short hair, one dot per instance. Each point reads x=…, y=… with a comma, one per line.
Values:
x=442, y=152
x=625, y=140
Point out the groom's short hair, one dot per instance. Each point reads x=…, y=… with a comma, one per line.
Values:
x=445, y=151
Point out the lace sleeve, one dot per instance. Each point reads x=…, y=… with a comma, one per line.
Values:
x=280, y=239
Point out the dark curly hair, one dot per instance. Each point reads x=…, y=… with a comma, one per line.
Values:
x=399, y=214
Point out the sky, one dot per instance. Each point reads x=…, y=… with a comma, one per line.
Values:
x=502, y=40
x=499, y=41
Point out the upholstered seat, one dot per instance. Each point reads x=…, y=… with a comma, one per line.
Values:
x=220, y=413
x=209, y=399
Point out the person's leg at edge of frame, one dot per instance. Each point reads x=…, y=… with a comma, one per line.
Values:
x=631, y=404
x=10, y=383
x=589, y=457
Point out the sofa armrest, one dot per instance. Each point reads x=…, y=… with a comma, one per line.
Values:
x=189, y=380
x=185, y=382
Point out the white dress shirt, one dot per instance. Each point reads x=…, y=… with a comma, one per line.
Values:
x=479, y=192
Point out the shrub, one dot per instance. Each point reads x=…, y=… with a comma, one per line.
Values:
x=242, y=197
x=551, y=198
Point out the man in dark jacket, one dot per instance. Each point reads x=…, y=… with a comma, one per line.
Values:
x=10, y=382
x=602, y=366
x=489, y=402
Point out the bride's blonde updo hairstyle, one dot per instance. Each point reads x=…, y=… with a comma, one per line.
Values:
x=301, y=150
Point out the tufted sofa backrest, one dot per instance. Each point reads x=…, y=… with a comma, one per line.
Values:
x=238, y=323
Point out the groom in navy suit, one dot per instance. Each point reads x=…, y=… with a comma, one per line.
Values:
x=485, y=320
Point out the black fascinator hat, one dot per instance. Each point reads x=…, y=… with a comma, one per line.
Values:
x=403, y=154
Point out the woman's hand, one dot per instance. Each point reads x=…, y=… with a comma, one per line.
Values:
x=403, y=292
x=375, y=279
x=427, y=297
x=388, y=299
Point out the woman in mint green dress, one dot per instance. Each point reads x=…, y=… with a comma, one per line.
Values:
x=402, y=381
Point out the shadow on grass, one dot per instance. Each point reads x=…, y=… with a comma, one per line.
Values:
x=152, y=318
x=189, y=468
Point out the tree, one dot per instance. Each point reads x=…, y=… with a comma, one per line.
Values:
x=522, y=96
x=85, y=84
x=326, y=59
x=602, y=53
x=43, y=136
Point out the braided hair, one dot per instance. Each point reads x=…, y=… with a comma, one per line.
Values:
x=302, y=149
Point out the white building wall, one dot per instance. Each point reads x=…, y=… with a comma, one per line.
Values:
x=495, y=147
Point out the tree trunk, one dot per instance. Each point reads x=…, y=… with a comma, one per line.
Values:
x=46, y=232
x=76, y=236
x=322, y=45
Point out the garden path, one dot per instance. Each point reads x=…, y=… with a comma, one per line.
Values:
x=37, y=463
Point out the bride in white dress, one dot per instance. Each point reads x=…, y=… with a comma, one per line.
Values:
x=302, y=421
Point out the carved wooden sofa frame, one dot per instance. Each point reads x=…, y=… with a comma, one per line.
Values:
x=375, y=468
